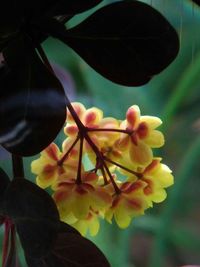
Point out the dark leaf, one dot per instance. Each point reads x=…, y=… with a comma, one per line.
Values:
x=4, y=182
x=12, y=259
x=197, y=2
x=127, y=42
x=34, y=214
x=10, y=19
x=71, y=7
x=71, y=250
x=32, y=104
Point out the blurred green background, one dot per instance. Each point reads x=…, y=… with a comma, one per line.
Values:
x=169, y=234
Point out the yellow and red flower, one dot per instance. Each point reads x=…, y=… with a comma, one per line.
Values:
x=79, y=198
x=49, y=166
x=83, y=197
x=128, y=204
x=142, y=136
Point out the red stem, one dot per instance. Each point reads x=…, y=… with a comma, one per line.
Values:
x=139, y=175
x=109, y=130
x=78, y=180
x=82, y=129
x=104, y=176
x=61, y=161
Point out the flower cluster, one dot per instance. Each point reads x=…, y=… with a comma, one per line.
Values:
x=106, y=168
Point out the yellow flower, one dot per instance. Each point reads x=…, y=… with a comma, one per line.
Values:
x=89, y=117
x=142, y=136
x=157, y=176
x=48, y=167
x=78, y=198
x=130, y=203
x=89, y=225
x=105, y=147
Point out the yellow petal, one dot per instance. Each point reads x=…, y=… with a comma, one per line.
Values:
x=155, y=139
x=153, y=122
x=92, y=116
x=67, y=218
x=81, y=206
x=163, y=177
x=51, y=153
x=94, y=226
x=122, y=218
x=79, y=109
x=37, y=165
x=44, y=183
x=81, y=226
x=109, y=215
x=141, y=154
x=159, y=195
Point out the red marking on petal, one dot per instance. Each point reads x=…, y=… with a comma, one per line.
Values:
x=60, y=196
x=134, y=139
x=133, y=187
x=152, y=165
x=134, y=204
x=103, y=195
x=148, y=190
x=89, y=216
x=116, y=201
x=71, y=129
x=131, y=116
x=117, y=153
x=125, y=186
x=60, y=170
x=90, y=118
x=88, y=187
x=81, y=190
x=90, y=177
x=48, y=171
x=142, y=130
x=52, y=151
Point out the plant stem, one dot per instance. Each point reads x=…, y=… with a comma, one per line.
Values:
x=110, y=130
x=61, y=161
x=18, y=167
x=83, y=132
x=78, y=180
x=139, y=175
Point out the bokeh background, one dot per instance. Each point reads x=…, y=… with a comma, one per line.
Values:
x=169, y=234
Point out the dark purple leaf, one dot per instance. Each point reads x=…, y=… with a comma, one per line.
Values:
x=197, y=2
x=127, y=42
x=46, y=241
x=71, y=250
x=12, y=259
x=71, y=7
x=35, y=215
x=4, y=182
x=33, y=107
